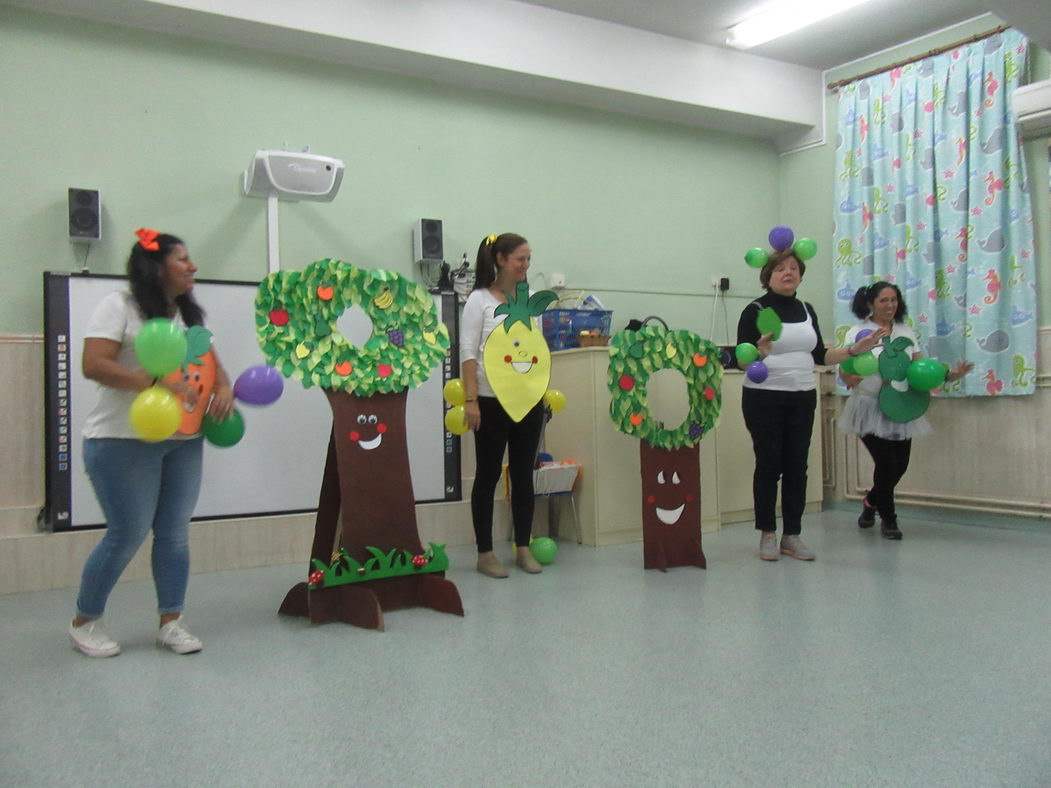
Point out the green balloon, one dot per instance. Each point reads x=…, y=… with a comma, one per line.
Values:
x=746, y=353
x=847, y=366
x=756, y=257
x=804, y=248
x=925, y=374
x=865, y=364
x=543, y=549
x=225, y=433
x=160, y=346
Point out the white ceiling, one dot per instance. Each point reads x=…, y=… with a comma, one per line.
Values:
x=872, y=27
x=660, y=59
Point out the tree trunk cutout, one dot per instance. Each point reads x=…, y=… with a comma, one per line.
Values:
x=671, y=506
x=367, y=501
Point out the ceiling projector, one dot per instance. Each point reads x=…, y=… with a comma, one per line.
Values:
x=291, y=175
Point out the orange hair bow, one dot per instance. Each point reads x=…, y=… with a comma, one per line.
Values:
x=148, y=239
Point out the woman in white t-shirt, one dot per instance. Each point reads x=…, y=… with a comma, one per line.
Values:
x=880, y=306
x=501, y=265
x=142, y=486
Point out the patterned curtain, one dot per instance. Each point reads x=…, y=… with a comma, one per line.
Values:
x=932, y=195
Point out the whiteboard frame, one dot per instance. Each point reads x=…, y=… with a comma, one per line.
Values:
x=241, y=481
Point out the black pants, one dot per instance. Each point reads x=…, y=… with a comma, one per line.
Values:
x=521, y=439
x=892, y=460
x=780, y=423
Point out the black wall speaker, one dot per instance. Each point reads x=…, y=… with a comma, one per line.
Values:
x=85, y=215
x=427, y=240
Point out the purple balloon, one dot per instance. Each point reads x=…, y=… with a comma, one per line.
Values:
x=862, y=334
x=757, y=371
x=260, y=385
x=781, y=237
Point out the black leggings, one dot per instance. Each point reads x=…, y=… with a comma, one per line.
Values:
x=522, y=439
x=781, y=423
x=892, y=460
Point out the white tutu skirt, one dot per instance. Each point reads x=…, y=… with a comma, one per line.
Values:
x=862, y=416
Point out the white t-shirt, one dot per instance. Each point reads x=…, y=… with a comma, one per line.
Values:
x=117, y=318
x=476, y=323
x=871, y=384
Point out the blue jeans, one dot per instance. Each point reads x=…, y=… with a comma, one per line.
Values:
x=141, y=486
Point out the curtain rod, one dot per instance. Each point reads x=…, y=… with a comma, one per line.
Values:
x=970, y=40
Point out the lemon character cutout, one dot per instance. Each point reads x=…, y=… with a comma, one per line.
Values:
x=516, y=359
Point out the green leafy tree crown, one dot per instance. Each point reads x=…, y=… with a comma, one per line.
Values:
x=635, y=355
x=296, y=314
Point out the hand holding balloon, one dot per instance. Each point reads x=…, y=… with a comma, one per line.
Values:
x=555, y=400
x=865, y=342
x=222, y=404
x=225, y=433
x=765, y=345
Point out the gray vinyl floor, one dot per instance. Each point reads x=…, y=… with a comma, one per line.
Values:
x=925, y=662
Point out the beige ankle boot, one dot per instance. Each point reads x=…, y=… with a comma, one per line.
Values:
x=489, y=564
x=526, y=562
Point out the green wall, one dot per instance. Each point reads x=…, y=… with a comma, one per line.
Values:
x=641, y=213
x=806, y=176
x=164, y=126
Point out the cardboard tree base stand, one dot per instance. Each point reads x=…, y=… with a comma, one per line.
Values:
x=366, y=557
x=668, y=459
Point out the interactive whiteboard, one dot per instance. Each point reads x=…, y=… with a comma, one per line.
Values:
x=277, y=466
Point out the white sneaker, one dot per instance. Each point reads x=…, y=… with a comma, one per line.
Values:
x=173, y=636
x=90, y=640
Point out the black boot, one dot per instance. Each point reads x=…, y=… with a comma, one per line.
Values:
x=888, y=529
x=868, y=515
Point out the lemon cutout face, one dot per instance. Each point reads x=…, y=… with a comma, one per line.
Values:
x=516, y=358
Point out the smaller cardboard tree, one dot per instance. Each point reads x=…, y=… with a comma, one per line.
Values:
x=367, y=556
x=668, y=458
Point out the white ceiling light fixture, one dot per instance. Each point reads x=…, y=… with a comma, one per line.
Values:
x=784, y=17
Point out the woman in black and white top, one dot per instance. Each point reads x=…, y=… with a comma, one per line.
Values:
x=779, y=412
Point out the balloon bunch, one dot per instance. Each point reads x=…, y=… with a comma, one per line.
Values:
x=456, y=396
x=781, y=238
x=748, y=359
x=161, y=348
x=863, y=364
x=260, y=385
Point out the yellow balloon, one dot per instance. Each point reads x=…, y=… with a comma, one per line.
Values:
x=555, y=400
x=456, y=420
x=155, y=414
x=454, y=392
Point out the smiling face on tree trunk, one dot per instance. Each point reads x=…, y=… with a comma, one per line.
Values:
x=671, y=507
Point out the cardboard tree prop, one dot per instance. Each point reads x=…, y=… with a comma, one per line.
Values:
x=366, y=557
x=668, y=458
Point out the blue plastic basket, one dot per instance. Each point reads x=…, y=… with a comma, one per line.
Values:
x=562, y=327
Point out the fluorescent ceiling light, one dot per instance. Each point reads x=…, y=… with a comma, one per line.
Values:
x=784, y=17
